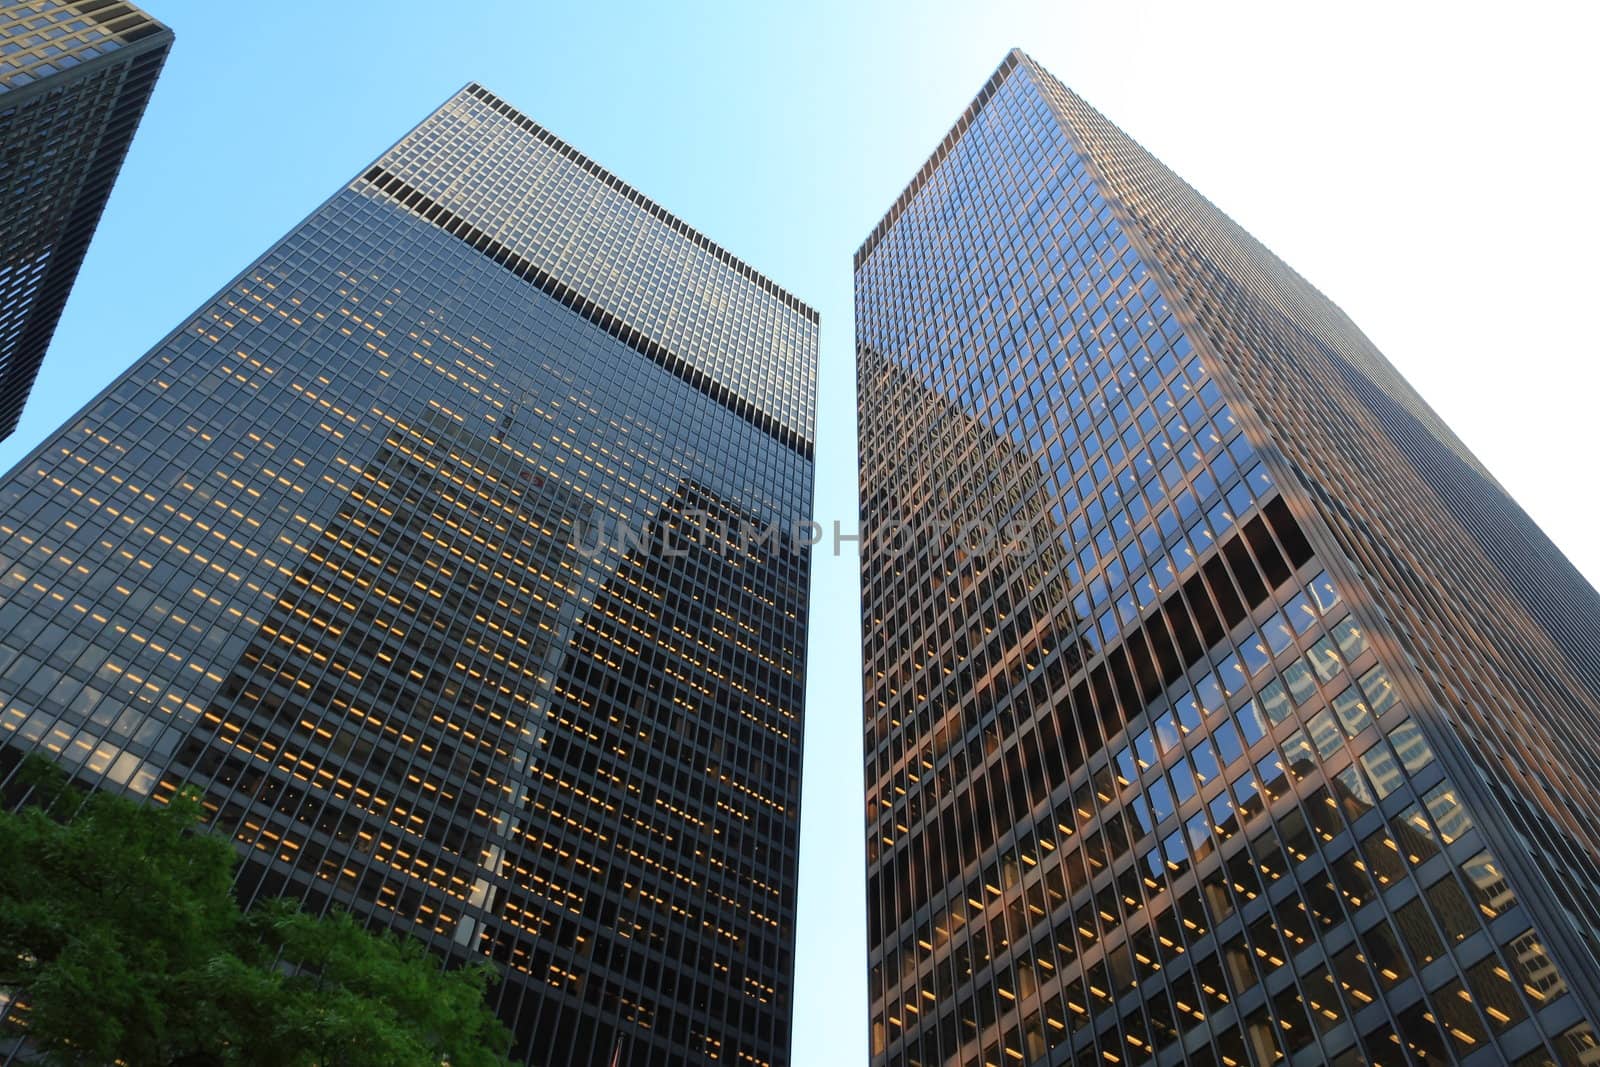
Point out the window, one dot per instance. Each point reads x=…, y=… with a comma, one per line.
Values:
x=1534, y=970
x=1325, y=660
x=1415, y=835
x=1419, y=1029
x=1456, y=915
x=1252, y=724
x=1226, y=738
x=1351, y=707
x=1275, y=701
x=1488, y=883
x=1353, y=976
x=1459, y=1017
x=1355, y=796
x=1416, y=928
x=1382, y=951
x=1409, y=743
x=1302, y=684
x=1325, y=733
x=1383, y=858
x=1495, y=993
x=1379, y=690
x=1381, y=768
x=1448, y=812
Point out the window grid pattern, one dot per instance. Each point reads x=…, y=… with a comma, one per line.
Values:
x=587, y=221
x=45, y=37
x=74, y=81
x=346, y=551
x=1497, y=624
x=1147, y=790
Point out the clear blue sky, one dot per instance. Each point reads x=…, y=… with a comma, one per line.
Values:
x=1427, y=165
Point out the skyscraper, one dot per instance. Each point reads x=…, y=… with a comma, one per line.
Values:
x=1280, y=743
x=437, y=550
x=75, y=76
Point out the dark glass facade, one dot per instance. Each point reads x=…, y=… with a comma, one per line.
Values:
x=435, y=550
x=1245, y=719
x=75, y=76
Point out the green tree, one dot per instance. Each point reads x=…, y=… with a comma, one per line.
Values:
x=122, y=943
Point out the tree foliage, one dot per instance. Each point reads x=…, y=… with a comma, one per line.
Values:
x=121, y=942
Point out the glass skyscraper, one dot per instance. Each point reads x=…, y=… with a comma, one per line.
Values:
x=75, y=76
x=1220, y=707
x=437, y=551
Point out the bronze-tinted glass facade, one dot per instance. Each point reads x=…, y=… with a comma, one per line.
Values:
x=435, y=551
x=75, y=76
x=1220, y=707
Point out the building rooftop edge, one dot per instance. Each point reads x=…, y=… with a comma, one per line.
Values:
x=743, y=268
x=1013, y=59
x=106, y=13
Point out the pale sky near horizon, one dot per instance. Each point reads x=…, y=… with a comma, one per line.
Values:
x=1429, y=166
